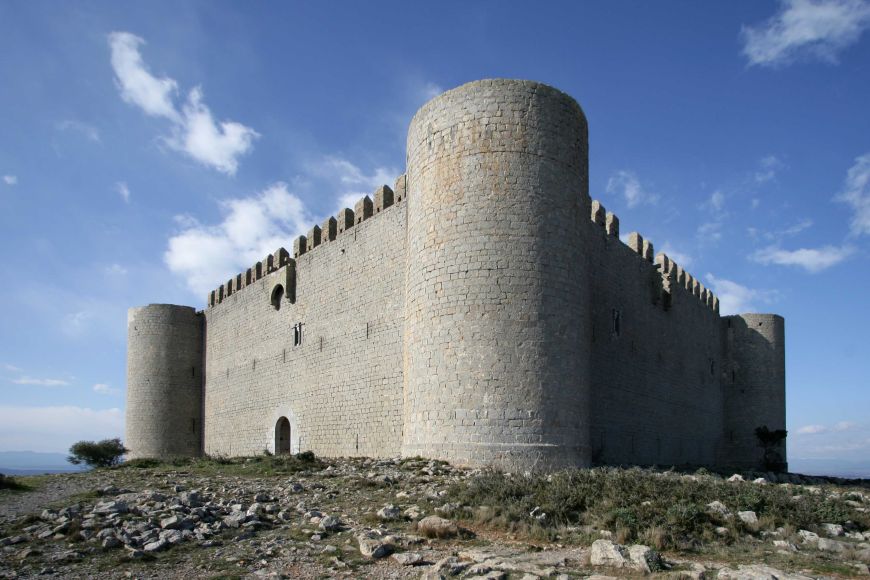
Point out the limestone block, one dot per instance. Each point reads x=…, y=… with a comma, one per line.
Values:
x=383, y=198
x=363, y=209
x=345, y=220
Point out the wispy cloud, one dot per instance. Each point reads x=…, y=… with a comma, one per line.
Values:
x=768, y=168
x=812, y=260
x=856, y=193
x=217, y=144
x=25, y=380
x=682, y=258
x=735, y=298
x=104, y=389
x=778, y=235
x=710, y=231
x=626, y=184
x=255, y=226
x=716, y=202
x=75, y=324
x=252, y=228
x=88, y=131
x=123, y=190
x=10, y=179
x=11, y=368
x=350, y=181
x=817, y=29
x=817, y=429
x=116, y=270
x=55, y=428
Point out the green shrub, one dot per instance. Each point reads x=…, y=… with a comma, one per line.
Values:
x=7, y=482
x=105, y=453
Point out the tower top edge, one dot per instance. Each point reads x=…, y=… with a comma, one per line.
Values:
x=497, y=83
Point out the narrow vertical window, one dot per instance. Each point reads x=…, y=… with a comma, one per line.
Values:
x=297, y=334
x=616, y=322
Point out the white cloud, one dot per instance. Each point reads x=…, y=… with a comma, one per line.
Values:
x=768, y=168
x=429, y=91
x=116, y=270
x=55, y=428
x=856, y=193
x=10, y=179
x=817, y=429
x=89, y=131
x=735, y=298
x=779, y=235
x=137, y=85
x=76, y=324
x=716, y=201
x=254, y=227
x=104, y=389
x=812, y=260
x=681, y=258
x=352, y=182
x=806, y=28
x=195, y=131
x=626, y=184
x=123, y=191
x=25, y=380
x=710, y=231
x=11, y=368
x=218, y=145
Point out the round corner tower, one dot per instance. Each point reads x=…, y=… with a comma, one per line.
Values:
x=754, y=391
x=496, y=344
x=164, y=381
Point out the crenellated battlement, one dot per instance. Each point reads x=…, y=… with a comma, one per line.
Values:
x=332, y=227
x=482, y=323
x=673, y=276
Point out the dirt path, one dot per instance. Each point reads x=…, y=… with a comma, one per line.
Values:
x=48, y=491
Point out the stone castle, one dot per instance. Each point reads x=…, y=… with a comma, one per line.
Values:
x=483, y=311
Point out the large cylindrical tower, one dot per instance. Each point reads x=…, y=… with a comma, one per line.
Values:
x=496, y=345
x=164, y=381
x=754, y=391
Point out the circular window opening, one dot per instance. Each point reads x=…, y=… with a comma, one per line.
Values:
x=277, y=295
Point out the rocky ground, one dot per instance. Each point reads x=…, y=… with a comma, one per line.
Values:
x=358, y=518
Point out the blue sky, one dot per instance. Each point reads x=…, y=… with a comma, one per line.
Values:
x=149, y=151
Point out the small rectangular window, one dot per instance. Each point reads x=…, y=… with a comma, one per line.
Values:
x=297, y=334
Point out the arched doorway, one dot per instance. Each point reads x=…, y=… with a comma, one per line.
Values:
x=277, y=295
x=282, y=436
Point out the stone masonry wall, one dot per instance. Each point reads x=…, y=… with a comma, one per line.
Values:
x=496, y=343
x=341, y=388
x=754, y=384
x=656, y=366
x=164, y=381
x=485, y=312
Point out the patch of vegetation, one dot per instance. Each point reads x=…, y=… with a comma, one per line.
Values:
x=7, y=482
x=256, y=466
x=105, y=453
x=666, y=510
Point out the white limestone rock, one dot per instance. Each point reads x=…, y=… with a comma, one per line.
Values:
x=757, y=572
x=607, y=553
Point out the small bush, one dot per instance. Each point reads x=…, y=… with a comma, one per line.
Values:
x=306, y=456
x=142, y=463
x=7, y=482
x=105, y=453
